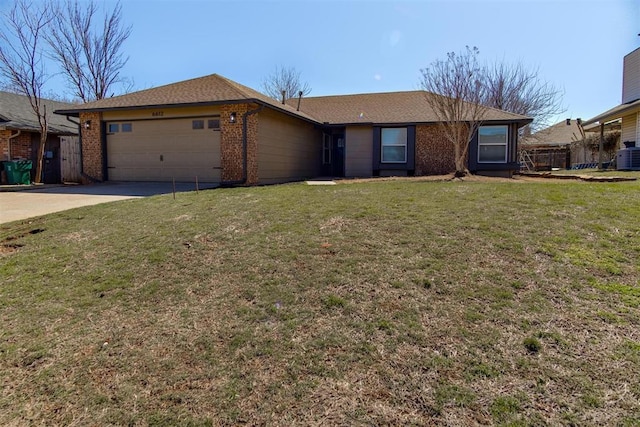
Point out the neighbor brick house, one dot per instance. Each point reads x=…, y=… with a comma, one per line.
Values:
x=217, y=130
x=20, y=133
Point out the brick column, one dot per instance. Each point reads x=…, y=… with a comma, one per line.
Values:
x=92, y=153
x=231, y=143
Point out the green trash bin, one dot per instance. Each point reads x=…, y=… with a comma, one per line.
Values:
x=10, y=170
x=18, y=172
x=24, y=171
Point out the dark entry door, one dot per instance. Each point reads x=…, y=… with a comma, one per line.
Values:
x=337, y=156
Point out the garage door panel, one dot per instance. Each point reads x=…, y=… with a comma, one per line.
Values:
x=162, y=150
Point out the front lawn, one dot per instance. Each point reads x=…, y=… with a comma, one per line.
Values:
x=397, y=302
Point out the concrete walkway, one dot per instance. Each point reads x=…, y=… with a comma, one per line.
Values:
x=27, y=202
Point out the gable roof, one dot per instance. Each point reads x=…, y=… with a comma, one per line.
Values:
x=16, y=114
x=383, y=108
x=208, y=90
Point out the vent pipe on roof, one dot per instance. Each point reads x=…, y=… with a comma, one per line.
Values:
x=568, y=122
x=579, y=121
x=299, y=99
x=284, y=95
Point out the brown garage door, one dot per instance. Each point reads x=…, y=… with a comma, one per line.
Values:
x=162, y=150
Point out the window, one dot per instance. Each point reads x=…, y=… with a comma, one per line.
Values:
x=492, y=144
x=113, y=127
x=127, y=127
x=197, y=124
x=326, y=150
x=394, y=145
x=213, y=124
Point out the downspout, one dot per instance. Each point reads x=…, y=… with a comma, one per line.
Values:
x=15, y=135
x=244, y=147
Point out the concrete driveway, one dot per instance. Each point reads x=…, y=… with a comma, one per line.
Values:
x=17, y=205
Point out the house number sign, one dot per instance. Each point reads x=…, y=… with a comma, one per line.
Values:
x=157, y=113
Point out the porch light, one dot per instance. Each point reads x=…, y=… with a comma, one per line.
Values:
x=232, y=117
x=87, y=124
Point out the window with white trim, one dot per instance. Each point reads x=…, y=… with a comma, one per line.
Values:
x=393, y=145
x=492, y=144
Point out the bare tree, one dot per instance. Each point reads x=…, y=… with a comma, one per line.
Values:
x=21, y=61
x=90, y=55
x=456, y=87
x=284, y=80
x=519, y=89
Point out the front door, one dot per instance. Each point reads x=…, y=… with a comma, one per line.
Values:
x=70, y=159
x=337, y=156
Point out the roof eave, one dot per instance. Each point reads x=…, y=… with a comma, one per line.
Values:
x=52, y=129
x=614, y=113
x=304, y=117
x=77, y=112
x=520, y=122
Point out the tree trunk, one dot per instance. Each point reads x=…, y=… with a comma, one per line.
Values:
x=460, y=160
x=40, y=158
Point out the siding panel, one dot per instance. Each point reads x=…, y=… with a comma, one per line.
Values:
x=359, y=154
x=629, y=128
x=631, y=77
x=288, y=149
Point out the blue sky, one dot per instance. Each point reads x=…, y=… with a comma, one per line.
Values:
x=376, y=46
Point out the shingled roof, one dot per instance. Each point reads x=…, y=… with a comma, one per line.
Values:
x=208, y=90
x=391, y=107
x=16, y=114
x=383, y=108
x=559, y=134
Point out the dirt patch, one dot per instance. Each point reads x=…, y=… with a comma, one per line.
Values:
x=517, y=179
x=430, y=178
x=9, y=248
x=589, y=178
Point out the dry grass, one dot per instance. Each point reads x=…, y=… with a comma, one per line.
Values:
x=394, y=302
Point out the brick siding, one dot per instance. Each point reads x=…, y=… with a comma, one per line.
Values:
x=231, y=143
x=434, y=153
x=4, y=144
x=20, y=145
x=92, y=153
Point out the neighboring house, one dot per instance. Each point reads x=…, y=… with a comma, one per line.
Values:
x=587, y=151
x=551, y=147
x=628, y=112
x=20, y=137
x=216, y=130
